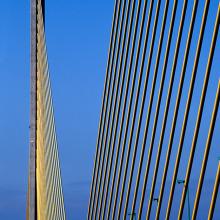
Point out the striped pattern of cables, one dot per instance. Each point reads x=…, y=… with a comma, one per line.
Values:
x=50, y=203
x=157, y=154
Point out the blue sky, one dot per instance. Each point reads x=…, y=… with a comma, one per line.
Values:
x=77, y=34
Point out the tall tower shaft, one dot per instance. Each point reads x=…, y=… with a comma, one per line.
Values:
x=45, y=196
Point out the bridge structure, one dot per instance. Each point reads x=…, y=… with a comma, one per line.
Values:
x=149, y=120
x=45, y=197
x=154, y=113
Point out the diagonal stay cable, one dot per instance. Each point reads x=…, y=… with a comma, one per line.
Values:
x=119, y=105
x=117, y=118
x=149, y=109
x=98, y=149
x=112, y=108
x=40, y=83
x=176, y=109
x=214, y=194
x=102, y=153
x=167, y=105
x=200, y=112
x=131, y=97
x=157, y=109
x=117, y=113
x=136, y=103
x=47, y=127
x=186, y=114
x=126, y=94
x=110, y=121
x=142, y=104
x=206, y=153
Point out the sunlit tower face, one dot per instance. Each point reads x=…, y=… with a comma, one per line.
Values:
x=45, y=196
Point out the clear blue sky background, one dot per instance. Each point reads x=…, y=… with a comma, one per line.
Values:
x=77, y=34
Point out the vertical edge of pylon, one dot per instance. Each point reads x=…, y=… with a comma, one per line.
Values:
x=43, y=9
x=32, y=211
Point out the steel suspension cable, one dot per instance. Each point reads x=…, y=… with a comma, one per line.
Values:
x=101, y=155
x=200, y=112
x=98, y=149
x=126, y=93
x=110, y=121
x=176, y=109
x=149, y=108
x=214, y=194
x=157, y=109
x=135, y=107
x=123, y=113
x=48, y=179
x=188, y=104
x=167, y=106
x=131, y=98
x=206, y=153
x=55, y=196
x=141, y=107
x=117, y=114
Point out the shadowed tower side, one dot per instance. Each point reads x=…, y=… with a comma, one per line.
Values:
x=45, y=196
